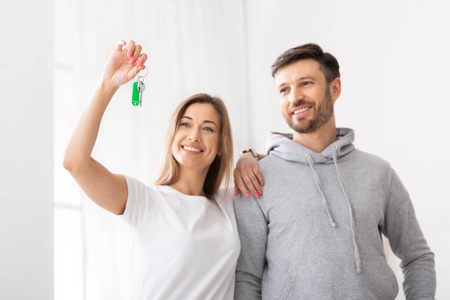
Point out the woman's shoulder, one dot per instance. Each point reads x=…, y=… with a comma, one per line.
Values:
x=225, y=196
x=140, y=189
x=226, y=192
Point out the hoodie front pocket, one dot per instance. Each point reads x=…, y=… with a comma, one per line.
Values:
x=288, y=281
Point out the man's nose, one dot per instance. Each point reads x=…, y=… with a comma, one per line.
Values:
x=295, y=95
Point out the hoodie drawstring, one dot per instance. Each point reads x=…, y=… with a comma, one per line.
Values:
x=324, y=200
x=350, y=210
x=327, y=207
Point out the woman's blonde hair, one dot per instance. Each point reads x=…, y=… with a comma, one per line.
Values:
x=222, y=165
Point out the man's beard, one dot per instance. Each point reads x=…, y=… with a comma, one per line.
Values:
x=323, y=113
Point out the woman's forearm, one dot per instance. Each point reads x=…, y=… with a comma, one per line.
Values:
x=82, y=141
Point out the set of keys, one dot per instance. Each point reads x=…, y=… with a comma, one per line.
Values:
x=138, y=90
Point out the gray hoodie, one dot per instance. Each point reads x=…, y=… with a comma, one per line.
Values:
x=316, y=233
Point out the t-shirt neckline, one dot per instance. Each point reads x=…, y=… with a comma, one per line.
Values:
x=175, y=191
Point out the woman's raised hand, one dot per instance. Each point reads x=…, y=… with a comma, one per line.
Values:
x=125, y=62
x=106, y=189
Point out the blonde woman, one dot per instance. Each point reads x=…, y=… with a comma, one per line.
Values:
x=185, y=223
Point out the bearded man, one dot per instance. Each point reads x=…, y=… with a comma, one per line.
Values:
x=316, y=233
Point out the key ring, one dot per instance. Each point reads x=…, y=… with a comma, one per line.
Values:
x=139, y=74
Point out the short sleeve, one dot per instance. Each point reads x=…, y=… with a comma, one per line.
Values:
x=141, y=202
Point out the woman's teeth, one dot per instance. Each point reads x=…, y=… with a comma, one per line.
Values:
x=191, y=149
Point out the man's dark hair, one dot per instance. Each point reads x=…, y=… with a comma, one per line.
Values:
x=328, y=63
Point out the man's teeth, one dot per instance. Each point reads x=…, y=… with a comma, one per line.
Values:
x=191, y=149
x=301, y=110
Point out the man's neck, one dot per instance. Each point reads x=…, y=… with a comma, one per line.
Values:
x=318, y=140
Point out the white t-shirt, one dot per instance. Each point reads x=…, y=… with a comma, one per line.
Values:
x=190, y=244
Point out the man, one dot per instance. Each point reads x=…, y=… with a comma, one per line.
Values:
x=316, y=233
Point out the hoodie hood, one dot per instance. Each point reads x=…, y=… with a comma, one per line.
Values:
x=284, y=147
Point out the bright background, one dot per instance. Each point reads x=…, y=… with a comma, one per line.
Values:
x=394, y=65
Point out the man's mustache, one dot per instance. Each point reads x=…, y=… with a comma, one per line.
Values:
x=302, y=102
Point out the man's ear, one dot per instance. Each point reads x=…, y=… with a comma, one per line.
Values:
x=335, y=89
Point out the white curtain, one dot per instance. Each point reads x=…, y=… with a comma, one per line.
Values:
x=393, y=57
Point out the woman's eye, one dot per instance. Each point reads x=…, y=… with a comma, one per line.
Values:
x=185, y=124
x=208, y=129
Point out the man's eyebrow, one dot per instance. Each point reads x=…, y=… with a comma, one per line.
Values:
x=306, y=77
x=298, y=79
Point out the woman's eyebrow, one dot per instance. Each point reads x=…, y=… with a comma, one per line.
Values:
x=205, y=121
x=208, y=121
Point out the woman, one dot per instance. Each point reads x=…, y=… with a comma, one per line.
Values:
x=185, y=225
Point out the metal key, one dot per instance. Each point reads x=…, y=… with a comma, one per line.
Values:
x=141, y=89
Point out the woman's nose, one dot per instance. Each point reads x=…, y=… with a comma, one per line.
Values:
x=194, y=136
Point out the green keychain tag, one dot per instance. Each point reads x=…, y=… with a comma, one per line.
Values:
x=135, y=94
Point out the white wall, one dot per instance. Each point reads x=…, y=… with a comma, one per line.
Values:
x=26, y=150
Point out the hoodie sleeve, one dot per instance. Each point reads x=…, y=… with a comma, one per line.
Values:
x=252, y=226
x=408, y=243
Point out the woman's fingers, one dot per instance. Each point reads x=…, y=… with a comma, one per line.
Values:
x=240, y=186
x=251, y=181
x=131, y=47
x=136, y=53
x=256, y=182
x=126, y=61
x=236, y=190
x=121, y=45
x=141, y=61
x=138, y=58
x=247, y=176
x=246, y=182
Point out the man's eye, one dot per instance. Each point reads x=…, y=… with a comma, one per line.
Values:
x=307, y=83
x=284, y=90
